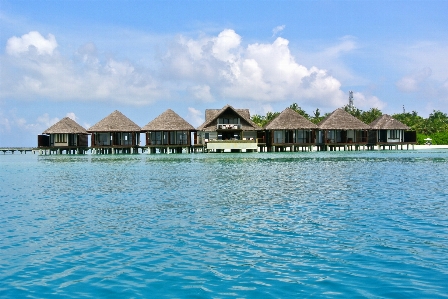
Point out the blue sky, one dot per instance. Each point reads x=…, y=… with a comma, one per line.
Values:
x=85, y=59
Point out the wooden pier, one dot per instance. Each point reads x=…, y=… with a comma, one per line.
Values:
x=18, y=149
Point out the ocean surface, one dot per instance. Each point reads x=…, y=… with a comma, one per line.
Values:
x=255, y=225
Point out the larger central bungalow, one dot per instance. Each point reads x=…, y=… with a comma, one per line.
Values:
x=228, y=129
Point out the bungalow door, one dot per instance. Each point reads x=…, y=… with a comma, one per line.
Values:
x=116, y=138
x=382, y=137
x=71, y=140
x=344, y=137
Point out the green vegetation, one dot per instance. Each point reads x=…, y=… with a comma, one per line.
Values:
x=434, y=127
x=264, y=120
x=365, y=116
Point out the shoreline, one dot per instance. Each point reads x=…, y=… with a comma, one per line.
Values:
x=425, y=146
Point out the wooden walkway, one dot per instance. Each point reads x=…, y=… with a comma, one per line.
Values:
x=18, y=149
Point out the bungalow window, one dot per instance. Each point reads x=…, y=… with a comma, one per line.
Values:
x=165, y=138
x=127, y=138
x=61, y=138
x=102, y=138
x=227, y=121
x=156, y=137
x=394, y=134
x=330, y=136
x=301, y=136
x=278, y=137
x=181, y=137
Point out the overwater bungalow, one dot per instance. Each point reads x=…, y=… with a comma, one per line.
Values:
x=229, y=129
x=339, y=130
x=387, y=132
x=115, y=134
x=168, y=133
x=290, y=130
x=65, y=135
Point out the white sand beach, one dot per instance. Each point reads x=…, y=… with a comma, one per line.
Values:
x=430, y=146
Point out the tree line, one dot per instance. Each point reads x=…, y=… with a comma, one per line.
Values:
x=434, y=127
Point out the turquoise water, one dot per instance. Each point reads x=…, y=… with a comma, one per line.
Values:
x=278, y=225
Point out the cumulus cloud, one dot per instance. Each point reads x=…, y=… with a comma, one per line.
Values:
x=195, y=117
x=31, y=41
x=261, y=72
x=85, y=77
x=411, y=83
x=277, y=30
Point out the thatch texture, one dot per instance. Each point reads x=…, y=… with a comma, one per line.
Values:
x=168, y=121
x=290, y=120
x=115, y=122
x=387, y=122
x=65, y=126
x=211, y=116
x=342, y=120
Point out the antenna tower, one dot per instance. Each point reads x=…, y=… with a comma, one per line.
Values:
x=350, y=99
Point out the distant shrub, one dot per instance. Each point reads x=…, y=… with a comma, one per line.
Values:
x=440, y=138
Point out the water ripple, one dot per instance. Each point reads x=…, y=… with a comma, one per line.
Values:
x=361, y=224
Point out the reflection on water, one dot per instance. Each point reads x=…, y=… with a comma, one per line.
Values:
x=367, y=224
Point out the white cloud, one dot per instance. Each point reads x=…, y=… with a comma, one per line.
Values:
x=223, y=45
x=32, y=40
x=423, y=67
x=5, y=124
x=194, y=117
x=277, y=30
x=259, y=72
x=71, y=115
x=411, y=83
x=201, y=92
x=209, y=68
x=44, y=121
x=62, y=79
x=15, y=130
x=13, y=122
x=365, y=102
x=332, y=57
x=346, y=45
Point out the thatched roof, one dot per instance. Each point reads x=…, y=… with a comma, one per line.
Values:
x=211, y=113
x=342, y=120
x=211, y=116
x=115, y=122
x=65, y=126
x=290, y=120
x=168, y=121
x=387, y=122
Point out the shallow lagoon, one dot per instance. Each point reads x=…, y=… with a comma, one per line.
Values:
x=271, y=225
